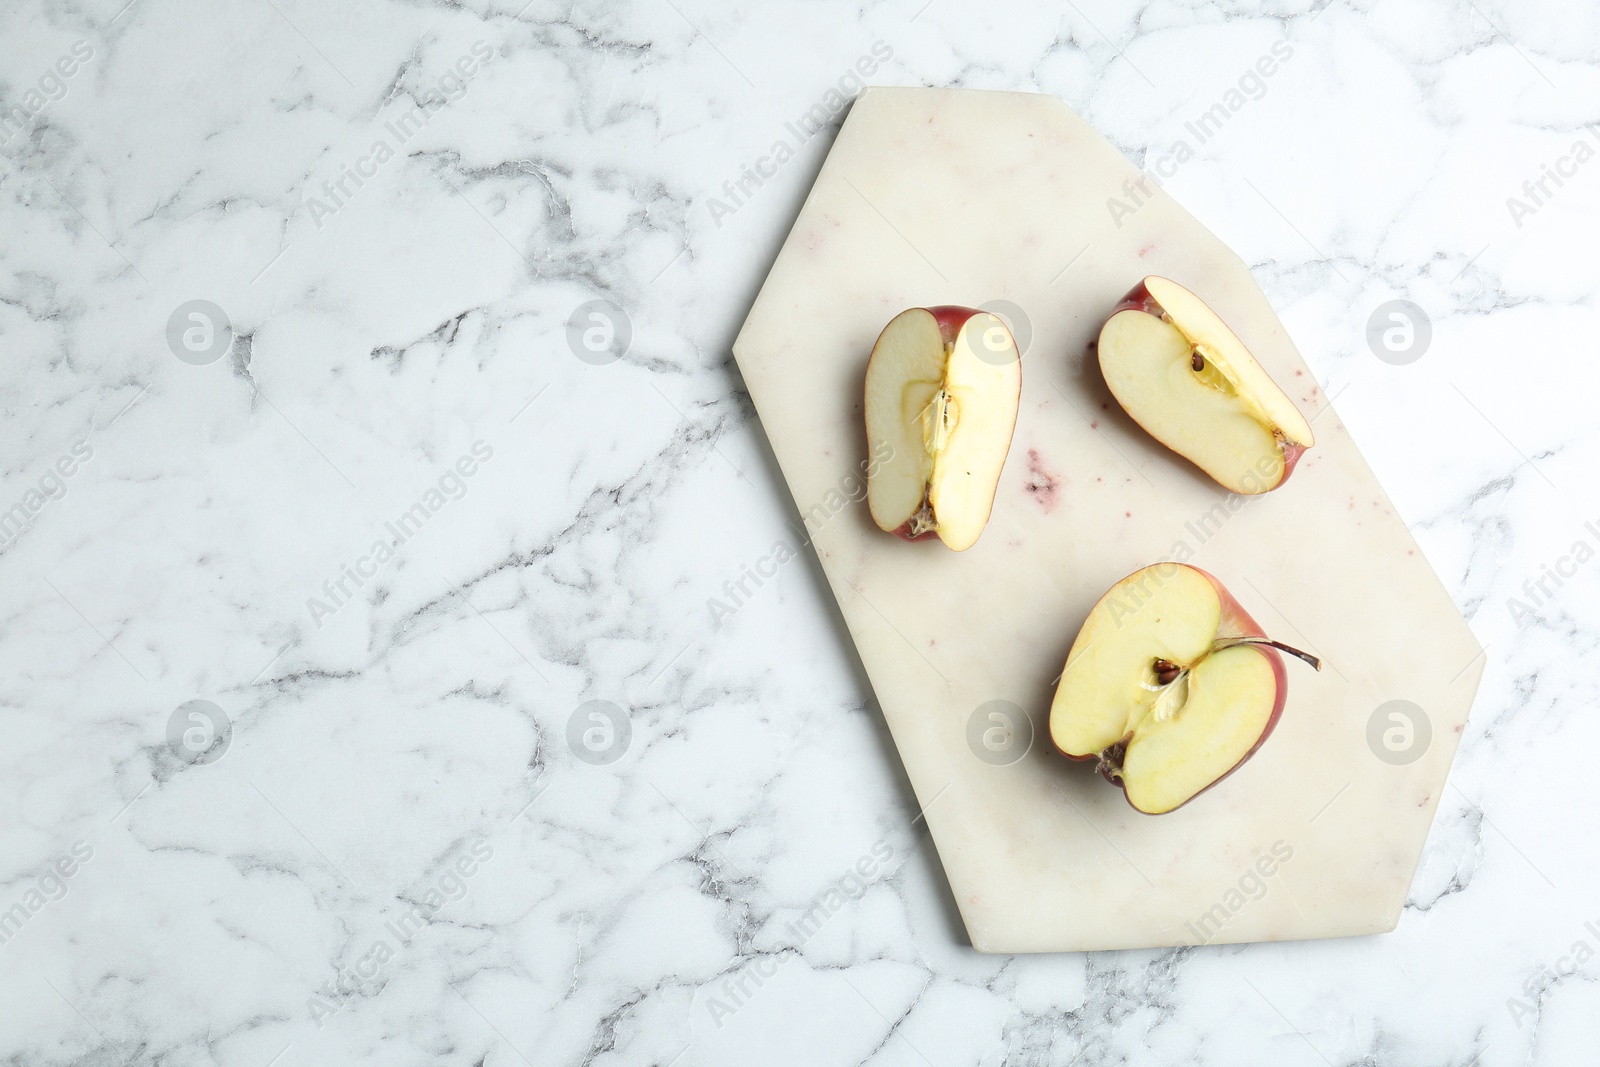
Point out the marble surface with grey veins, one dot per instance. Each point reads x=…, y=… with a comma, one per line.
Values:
x=411, y=652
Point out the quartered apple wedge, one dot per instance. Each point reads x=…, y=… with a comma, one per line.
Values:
x=942, y=390
x=1170, y=686
x=1182, y=374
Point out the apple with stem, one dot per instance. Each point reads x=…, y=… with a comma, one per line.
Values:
x=1182, y=374
x=1169, y=687
x=942, y=390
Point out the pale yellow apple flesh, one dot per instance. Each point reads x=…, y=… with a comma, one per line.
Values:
x=1170, y=685
x=1183, y=375
x=941, y=396
x=907, y=365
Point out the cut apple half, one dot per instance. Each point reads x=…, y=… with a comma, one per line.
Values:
x=942, y=390
x=1182, y=374
x=1169, y=687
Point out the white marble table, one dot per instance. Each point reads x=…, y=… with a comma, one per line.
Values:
x=393, y=528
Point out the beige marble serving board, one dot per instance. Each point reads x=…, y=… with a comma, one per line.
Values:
x=968, y=197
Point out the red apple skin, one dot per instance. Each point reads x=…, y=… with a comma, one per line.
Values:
x=903, y=531
x=1234, y=622
x=1139, y=299
x=1291, y=456
x=950, y=317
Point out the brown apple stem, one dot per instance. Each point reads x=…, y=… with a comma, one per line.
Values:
x=1110, y=762
x=1316, y=664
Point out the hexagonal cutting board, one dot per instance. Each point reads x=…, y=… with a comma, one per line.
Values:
x=968, y=197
